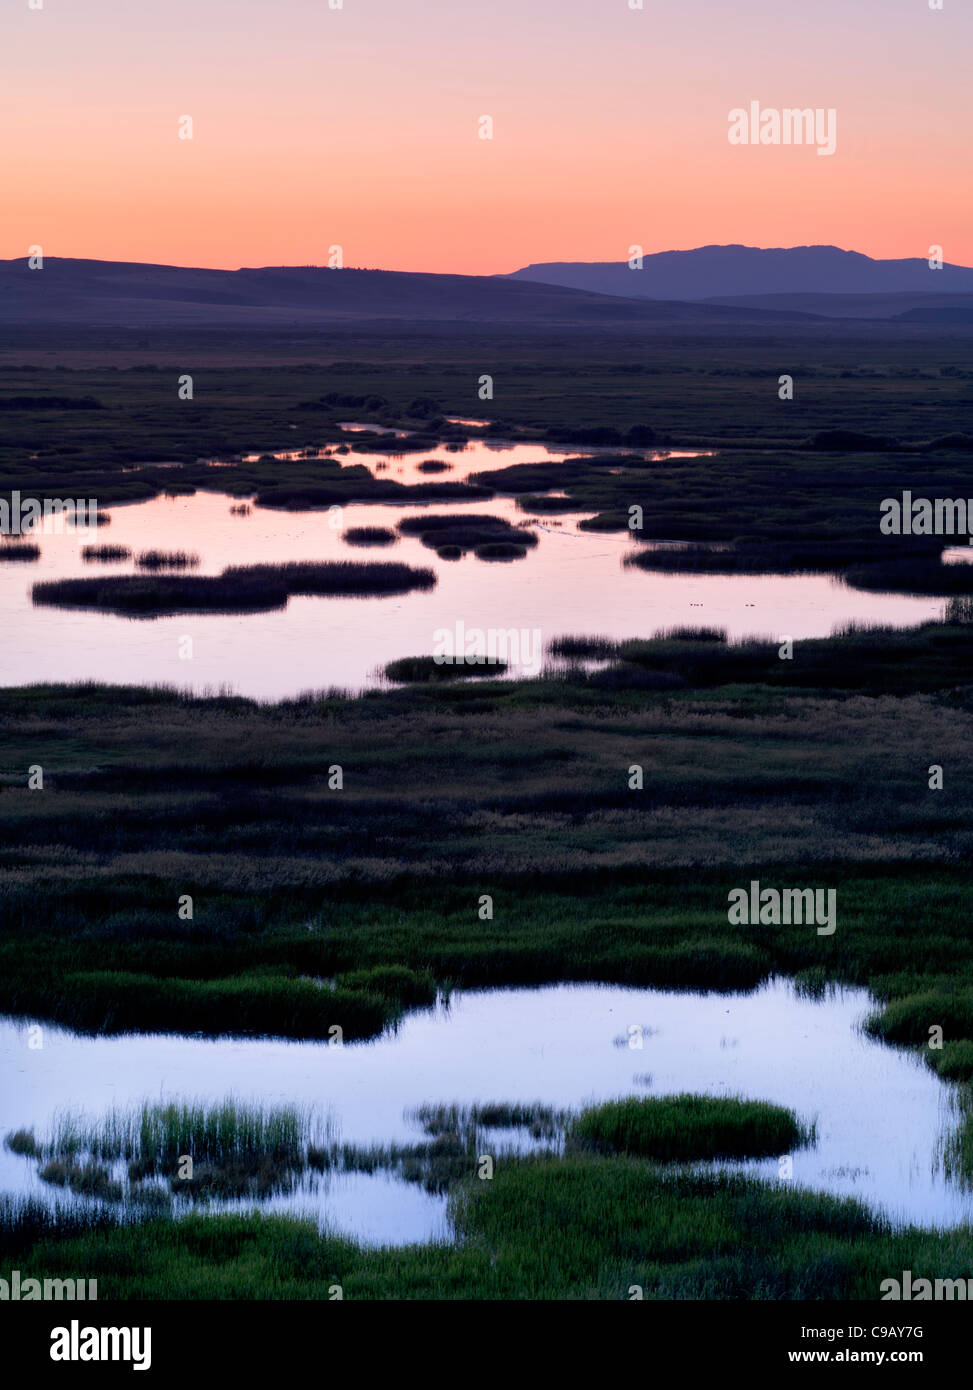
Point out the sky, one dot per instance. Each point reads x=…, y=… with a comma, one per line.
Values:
x=358, y=127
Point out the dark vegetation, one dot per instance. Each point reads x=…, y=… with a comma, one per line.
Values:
x=106, y=553
x=500, y=550
x=427, y=668
x=490, y=537
x=25, y=403
x=239, y=589
x=166, y=560
x=369, y=535
x=774, y=481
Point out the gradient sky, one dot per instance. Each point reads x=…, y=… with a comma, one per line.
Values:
x=358, y=127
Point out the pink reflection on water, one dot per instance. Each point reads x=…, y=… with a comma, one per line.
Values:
x=572, y=581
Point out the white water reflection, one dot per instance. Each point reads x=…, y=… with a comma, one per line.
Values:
x=880, y=1115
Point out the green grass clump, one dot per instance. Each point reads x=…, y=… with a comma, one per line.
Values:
x=677, y=1128
x=268, y=1004
x=414, y=988
x=230, y=1130
x=909, y=1019
x=953, y=1061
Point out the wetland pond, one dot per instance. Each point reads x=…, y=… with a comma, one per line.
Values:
x=571, y=581
x=881, y=1117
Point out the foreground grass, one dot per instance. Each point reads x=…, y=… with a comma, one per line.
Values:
x=577, y=1228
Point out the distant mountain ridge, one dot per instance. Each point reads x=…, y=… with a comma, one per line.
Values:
x=724, y=272
x=675, y=289
x=127, y=294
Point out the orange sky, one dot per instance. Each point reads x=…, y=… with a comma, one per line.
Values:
x=358, y=127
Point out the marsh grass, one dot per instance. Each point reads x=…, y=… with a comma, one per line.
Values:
x=350, y=485
x=83, y=1179
x=241, y=1150
x=160, y=1133
x=909, y=1019
x=953, y=1062
x=369, y=535
x=237, y=1150
x=688, y=1127
x=23, y=1143
x=239, y=589
x=584, y=1227
x=457, y=1135
x=426, y=669
x=106, y=553
x=500, y=550
x=538, y=1120
x=27, y=1221
x=166, y=560
x=957, y=1151
x=582, y=647
x=470, y=532
x=411, y=988
x=920, y=575
x=692, y=634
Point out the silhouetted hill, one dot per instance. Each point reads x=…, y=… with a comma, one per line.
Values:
x=721, y=272
x=131, y=295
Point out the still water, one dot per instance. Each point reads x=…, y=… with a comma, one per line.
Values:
x=881, y=1116
x=572, y=582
